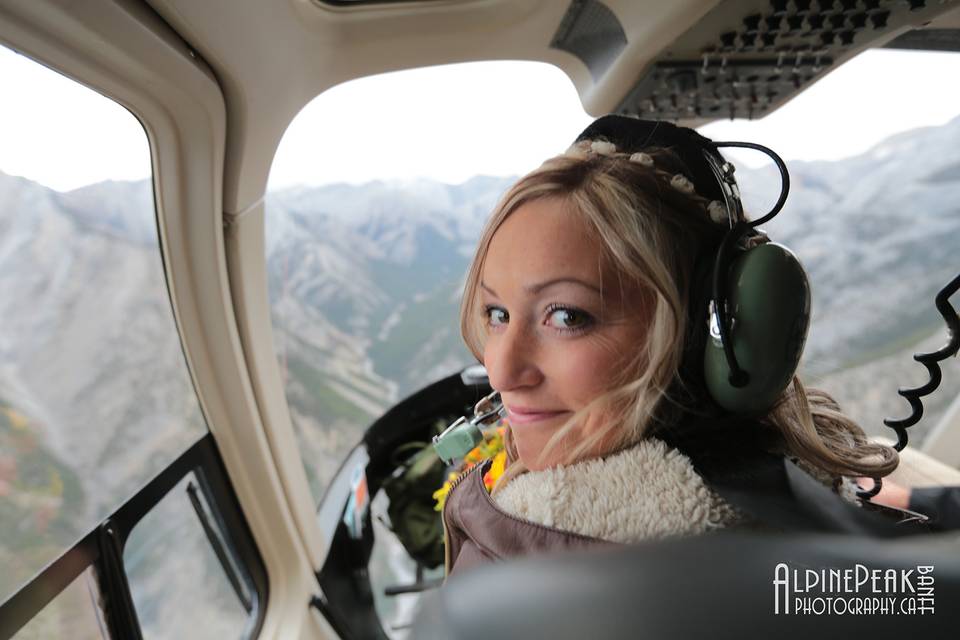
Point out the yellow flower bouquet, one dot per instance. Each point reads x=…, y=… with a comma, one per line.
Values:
x=491, y=447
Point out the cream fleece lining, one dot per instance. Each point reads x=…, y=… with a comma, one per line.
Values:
x=646, y=492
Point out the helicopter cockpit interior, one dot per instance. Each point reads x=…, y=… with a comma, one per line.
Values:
x=218, y=397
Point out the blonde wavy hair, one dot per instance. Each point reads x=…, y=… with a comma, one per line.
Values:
x=651, y=231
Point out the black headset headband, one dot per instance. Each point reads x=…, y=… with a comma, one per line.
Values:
x=710, y=172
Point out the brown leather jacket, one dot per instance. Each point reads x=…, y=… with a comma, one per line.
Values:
x=477, y=531
x=674, y=500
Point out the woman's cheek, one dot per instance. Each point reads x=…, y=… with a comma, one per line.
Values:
x=590, y=371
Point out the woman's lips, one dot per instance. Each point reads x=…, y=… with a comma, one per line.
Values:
x=528, y=416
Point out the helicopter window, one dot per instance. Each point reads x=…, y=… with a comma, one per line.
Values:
x=365, y=255
x=95, y=396
x=171, y=545
x=308, y=225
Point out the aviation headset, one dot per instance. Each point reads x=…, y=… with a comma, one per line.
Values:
x=749, y=304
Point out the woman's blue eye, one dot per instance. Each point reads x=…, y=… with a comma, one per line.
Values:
x=568, y=319
x=496, y=316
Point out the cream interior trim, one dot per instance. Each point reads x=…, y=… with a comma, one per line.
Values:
x=918, y=468
x=282, y=54
x=248, y=278
x=122, y=50
x=943, y=441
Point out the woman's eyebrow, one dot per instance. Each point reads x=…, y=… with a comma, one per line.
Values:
x=537, y=288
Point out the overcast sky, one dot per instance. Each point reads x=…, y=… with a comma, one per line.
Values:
x=450, y=123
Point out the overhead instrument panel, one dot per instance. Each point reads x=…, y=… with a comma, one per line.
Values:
x=745, y=58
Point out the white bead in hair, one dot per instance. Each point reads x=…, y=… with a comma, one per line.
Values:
x=717, y=211
x=642, y=159
x=603, y=148
x=579, y=150
x=682, y=183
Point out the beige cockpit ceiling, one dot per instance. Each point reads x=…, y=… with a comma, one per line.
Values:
x=688, y=60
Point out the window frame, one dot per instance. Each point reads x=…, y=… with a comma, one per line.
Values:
x=127, y=52
x=103, y=547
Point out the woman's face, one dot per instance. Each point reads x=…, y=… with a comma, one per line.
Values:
x=559, y=329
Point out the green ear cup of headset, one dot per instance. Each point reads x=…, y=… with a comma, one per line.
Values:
x=769, y=302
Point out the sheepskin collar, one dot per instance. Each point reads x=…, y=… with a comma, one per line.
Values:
x=649, y=491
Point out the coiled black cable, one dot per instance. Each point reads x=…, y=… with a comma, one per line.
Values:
x=932, y=362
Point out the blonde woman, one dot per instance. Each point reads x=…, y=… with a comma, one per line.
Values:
x=585, y=301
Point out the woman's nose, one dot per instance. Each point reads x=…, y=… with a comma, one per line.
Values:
x=511, y=360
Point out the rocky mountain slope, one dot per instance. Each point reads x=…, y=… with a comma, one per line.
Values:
x=94, y=392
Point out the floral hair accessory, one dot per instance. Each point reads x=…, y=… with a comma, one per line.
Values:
x=682, y=183
x=603, y=148
x=642, y=159
x=579, y=150
x=584, y=149
x=717, y=211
